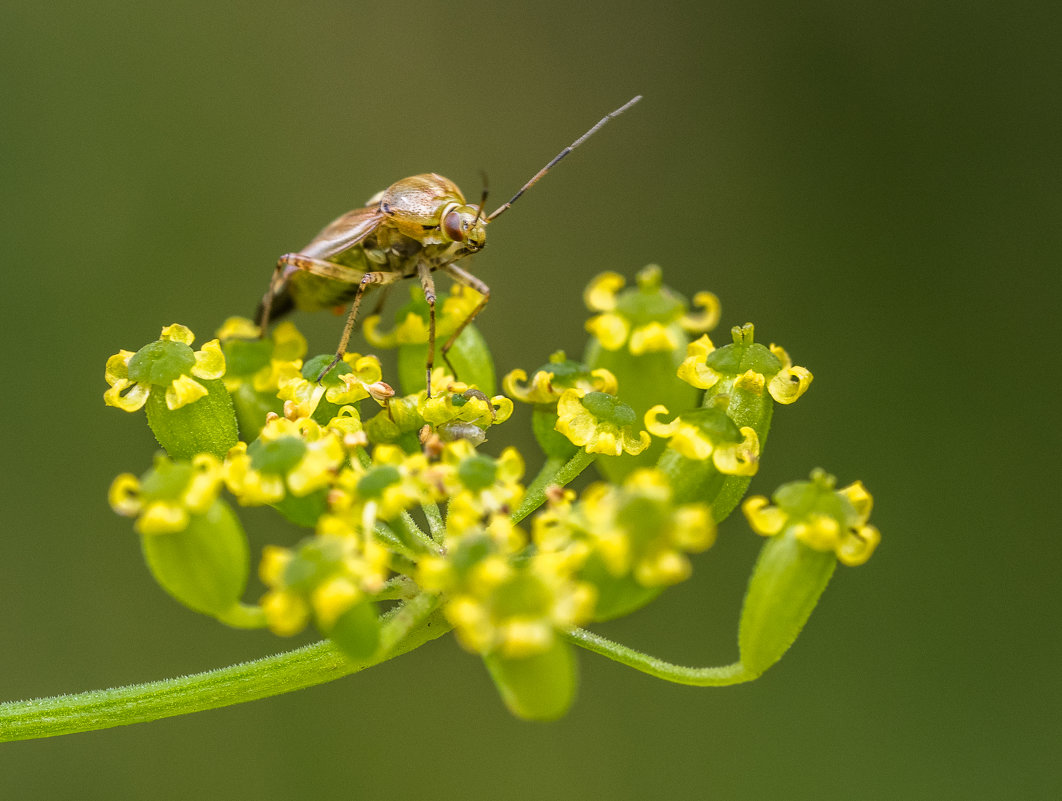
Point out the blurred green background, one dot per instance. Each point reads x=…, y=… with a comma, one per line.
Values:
x=875, y=184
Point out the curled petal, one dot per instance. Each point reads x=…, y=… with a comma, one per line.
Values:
x=741, y=459
x=503, y=408
x=600, y=293
x=763, y=518
x=127, y=401
x=657, y=428
x=635, y=445
x=789, y=384
x=604, y=381
x=124, y=495
x=708, y=316
x=858, y=545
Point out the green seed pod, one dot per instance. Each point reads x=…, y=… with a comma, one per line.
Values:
x=811, y=527
x=188, y=408
x=204, y=566
x=537, y=687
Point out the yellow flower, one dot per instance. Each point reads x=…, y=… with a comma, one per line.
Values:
x=480, y=488
x=636, y=529
x=301, y=395
x=516, y=611
x=549, y=382
x=648, y=319
x=169, y=364
x=166, y=499
x=458, y=402
x=393, y=482
x=819, y=516
x=746, y=365
x=709, y=433
x=325, y=575
x=296, y=457
x=264, y=363
x=413, y=329
x=600, y=423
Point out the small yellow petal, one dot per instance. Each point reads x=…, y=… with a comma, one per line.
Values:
x=751, y=381
x=861, y=500
x=611, y=330
x=763, y=518
x=856, y=548
x=162, y=517
x=130, y=401
x=652, y=338
x=178, y=333
x=333, y=598
x=238, y=328
x=600, y=293
x=657, y=428
x=790, y=384
x=742, y=458
x=124, y=495
x=707, y=318
x=209, y=361
x=118, y=366
x=182, y=391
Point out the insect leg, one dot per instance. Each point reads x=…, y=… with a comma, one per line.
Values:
x=464, y=278
x=427, y=284
x=276, y=284
x=366, y=280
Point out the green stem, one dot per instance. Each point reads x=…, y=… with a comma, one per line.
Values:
x=552, y=472
x=405, y=628
x=436, y=527
x=696, y=677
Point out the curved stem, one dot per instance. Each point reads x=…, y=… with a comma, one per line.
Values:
x=552, y=472
x=696, y=677
x=405, y=628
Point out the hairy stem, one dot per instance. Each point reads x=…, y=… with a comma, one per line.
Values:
x=696, y=677
x=405, y=628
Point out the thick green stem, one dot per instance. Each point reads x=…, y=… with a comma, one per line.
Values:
x=696, y=677
x=405, y=628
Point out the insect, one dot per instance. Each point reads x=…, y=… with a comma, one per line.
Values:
x=413, y=228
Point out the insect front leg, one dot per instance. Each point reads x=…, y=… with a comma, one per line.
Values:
x=427, y=284
x=464, y=278
x=365, y=281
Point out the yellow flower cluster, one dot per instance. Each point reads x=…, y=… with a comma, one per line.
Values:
x=635, y=529
x=840, y=526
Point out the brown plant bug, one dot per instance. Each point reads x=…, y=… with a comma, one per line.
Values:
x=411, y=229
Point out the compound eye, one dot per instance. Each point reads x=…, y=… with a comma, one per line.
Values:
x=453, y=228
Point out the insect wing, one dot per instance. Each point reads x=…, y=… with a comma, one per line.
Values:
x=344, y=232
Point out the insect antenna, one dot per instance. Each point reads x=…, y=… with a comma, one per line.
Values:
x=482, y=199
x=600, y=124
